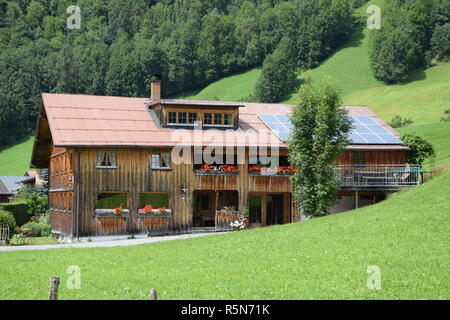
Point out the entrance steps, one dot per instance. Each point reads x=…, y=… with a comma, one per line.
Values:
x=203, y=230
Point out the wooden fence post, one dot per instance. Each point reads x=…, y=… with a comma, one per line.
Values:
x=54, y=284
x=153, y=294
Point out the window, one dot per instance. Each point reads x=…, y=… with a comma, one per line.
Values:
x=156, y=161
x=182, y=118
x=192, y=117
x=111, y=200
x=155, y=199
x=172, y=117
x=218, y=118
x=207, y=118
x=358, y=158
x=160, y=161
x=106, y=160
x=228, y=119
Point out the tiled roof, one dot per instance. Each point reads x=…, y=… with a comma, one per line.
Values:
x=86, y=120
x=13, y=183
x=3, y=189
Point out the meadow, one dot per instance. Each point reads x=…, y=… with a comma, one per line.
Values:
x=405, y=236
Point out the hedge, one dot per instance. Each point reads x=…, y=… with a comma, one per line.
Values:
x=18, y=210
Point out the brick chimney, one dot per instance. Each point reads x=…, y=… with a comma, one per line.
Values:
x=155, y=88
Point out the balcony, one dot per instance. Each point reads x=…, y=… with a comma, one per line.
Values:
x=379, y=176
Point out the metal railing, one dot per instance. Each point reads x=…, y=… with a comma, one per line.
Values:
x=378, y=176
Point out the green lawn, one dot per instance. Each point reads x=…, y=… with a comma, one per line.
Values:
x=439, y=135
x=15, y=160
x=231, y=88
x=325, y=258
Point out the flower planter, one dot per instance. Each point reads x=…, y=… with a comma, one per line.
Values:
x=111, y=213
x=155, y=213
x=215, y=173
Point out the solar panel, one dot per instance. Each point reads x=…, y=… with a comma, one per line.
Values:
x=366, y=129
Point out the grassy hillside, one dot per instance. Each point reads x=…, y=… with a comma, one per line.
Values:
x=15, y=161
x=424, y=97
x=439, y=135
x=326, y=258
x=349, y=67
x=229, y=89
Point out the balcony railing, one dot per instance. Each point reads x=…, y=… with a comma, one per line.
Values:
x=379, y=176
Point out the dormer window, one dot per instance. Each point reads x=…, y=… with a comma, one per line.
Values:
x=220, y=119
x=181, y=118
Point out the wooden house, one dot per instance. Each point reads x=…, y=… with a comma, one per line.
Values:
x=122, y=165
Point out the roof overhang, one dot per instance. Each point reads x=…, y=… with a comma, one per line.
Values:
x=43, y=141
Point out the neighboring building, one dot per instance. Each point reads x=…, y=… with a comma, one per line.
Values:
x=106, y=151
x=37, y=174
x=12, y=184
x=5, y=194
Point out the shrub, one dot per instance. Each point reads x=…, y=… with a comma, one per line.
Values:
x=37, y=205
x=397, y=122
x=38, y=229
x=7, y=219
x=18, y=210
x=419, y=148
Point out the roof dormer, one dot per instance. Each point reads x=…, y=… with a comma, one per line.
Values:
x=191, y=113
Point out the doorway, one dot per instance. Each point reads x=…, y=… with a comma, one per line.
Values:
x=275, y=210
x=207, y=202
x=266, y=209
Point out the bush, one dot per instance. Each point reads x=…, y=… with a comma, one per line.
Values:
x=38, y=229
x=37, y=205
x=419, y=148
x=7, y=219
x=397, y=122
x=18, y=210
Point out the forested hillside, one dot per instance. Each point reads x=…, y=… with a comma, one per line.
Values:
x=121, y=44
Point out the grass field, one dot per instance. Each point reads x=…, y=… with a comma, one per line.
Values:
x=326, y=258
x=349, y=67
x=424, y=97
x=15, y=160
x=231, y=88
x=439, y=135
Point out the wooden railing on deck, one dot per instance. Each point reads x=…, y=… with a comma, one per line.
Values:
x=379, y=176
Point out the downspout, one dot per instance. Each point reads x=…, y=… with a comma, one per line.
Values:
x=78, y=195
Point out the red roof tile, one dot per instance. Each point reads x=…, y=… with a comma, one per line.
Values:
x=86, y=120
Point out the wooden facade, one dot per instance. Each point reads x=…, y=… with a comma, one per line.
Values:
x=76, y=181
x=72, y=133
